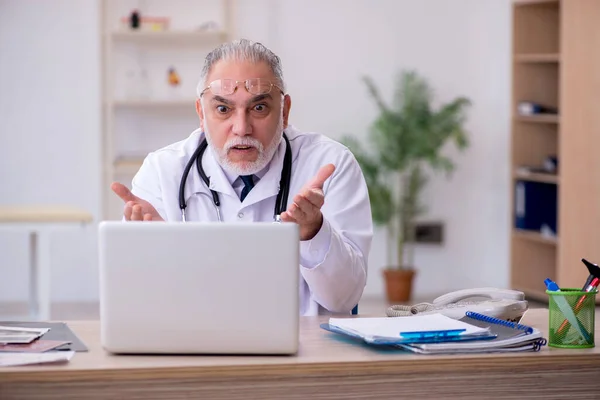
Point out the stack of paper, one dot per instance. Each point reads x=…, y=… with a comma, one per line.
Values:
x=11, y=334
x=16, y=359
x=23, y=346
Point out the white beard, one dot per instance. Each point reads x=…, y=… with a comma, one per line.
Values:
x=246, y=167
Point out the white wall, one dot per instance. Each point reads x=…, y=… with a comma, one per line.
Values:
x=50, y=134
x=50, y=95
x=463, y=48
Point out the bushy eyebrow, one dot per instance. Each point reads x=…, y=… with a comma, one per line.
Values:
x=219, y=99
x=260, y=97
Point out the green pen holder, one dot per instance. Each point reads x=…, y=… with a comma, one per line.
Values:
x=561, y=333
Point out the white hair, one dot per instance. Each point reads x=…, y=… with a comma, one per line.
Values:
x=242, y=50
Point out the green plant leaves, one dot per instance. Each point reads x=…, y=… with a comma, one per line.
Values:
x=405, y=137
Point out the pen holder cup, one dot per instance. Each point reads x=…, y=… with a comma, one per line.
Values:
x=565, y=304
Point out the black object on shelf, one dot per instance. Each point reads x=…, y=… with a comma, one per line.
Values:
x=134, y=19
x=527, y=108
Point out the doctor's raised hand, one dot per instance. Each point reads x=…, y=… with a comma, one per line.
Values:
x=135, y=209
x=305, y=210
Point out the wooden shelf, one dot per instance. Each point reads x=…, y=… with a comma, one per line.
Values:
x=128, y=166
x=155, y=103
x=537, y=58
x=169, y=36
x=556, y=63
x=534, y=2
x=534, y=237
x=536, y=177
x=539, y=119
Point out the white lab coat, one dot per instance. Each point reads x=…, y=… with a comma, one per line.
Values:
x=333, y=266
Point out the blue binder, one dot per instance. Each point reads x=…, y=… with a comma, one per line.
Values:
x=535, y=205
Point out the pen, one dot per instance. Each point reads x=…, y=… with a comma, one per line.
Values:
x=433, y=334
x=591, y=286
x=561, y=302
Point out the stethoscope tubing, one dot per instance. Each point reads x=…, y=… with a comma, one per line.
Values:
x=284, y=184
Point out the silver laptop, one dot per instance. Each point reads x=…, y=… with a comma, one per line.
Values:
x=199, y=288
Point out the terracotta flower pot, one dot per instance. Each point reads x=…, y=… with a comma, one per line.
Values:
x=398, y=284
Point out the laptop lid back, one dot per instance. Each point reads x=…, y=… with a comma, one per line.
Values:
x=199, y=287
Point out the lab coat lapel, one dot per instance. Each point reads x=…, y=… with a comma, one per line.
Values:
x=194, y=183
x=218, y=179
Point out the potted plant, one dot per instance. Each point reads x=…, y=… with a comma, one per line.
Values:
x=406, y=138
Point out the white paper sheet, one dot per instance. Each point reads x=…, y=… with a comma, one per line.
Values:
x=16, y=359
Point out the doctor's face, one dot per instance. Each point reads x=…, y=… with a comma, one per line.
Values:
x=243, y=128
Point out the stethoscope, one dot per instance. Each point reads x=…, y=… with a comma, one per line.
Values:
x=284, y=184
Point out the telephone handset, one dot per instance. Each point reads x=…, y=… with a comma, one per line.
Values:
x=504, y=304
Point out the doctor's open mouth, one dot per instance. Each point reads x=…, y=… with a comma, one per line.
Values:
x=242, y=149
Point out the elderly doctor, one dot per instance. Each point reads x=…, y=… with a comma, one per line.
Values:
x=244, y=109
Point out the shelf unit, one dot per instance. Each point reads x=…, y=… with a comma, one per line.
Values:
x=145, y=103
x=536, y=177
x=537, y=58
x=169, y=36
x=556, y=63
x=141, y=112
x=534, y=237
x=538, y=119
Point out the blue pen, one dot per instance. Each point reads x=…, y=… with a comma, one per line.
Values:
x=432, y=334
x=561, y=302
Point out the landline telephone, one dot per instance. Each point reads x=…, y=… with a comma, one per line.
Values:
x=509, y=305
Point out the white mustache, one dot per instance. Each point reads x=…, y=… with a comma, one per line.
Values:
x=245, y=141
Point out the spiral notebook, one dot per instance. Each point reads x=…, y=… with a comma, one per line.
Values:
x=510, y=337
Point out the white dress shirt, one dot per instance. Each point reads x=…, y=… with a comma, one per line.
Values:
x=333, y=264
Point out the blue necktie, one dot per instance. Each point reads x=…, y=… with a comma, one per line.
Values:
x=248, y=185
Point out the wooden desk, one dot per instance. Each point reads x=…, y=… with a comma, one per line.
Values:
x=326, y=367
x=39, y=222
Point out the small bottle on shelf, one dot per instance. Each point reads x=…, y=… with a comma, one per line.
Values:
x=174, y=82
x=134, y=19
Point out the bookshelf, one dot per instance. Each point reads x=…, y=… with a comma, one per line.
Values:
x=141, y=112
x=556, y=63
x=537, y=58
x=175, y=37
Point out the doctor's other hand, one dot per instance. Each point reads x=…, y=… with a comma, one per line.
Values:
x=305, y=210
x=135, y=209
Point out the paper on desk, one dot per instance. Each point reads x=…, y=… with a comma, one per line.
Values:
x=37, y=346
x=15, y=334
x=16, y=359
x=391, y=327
